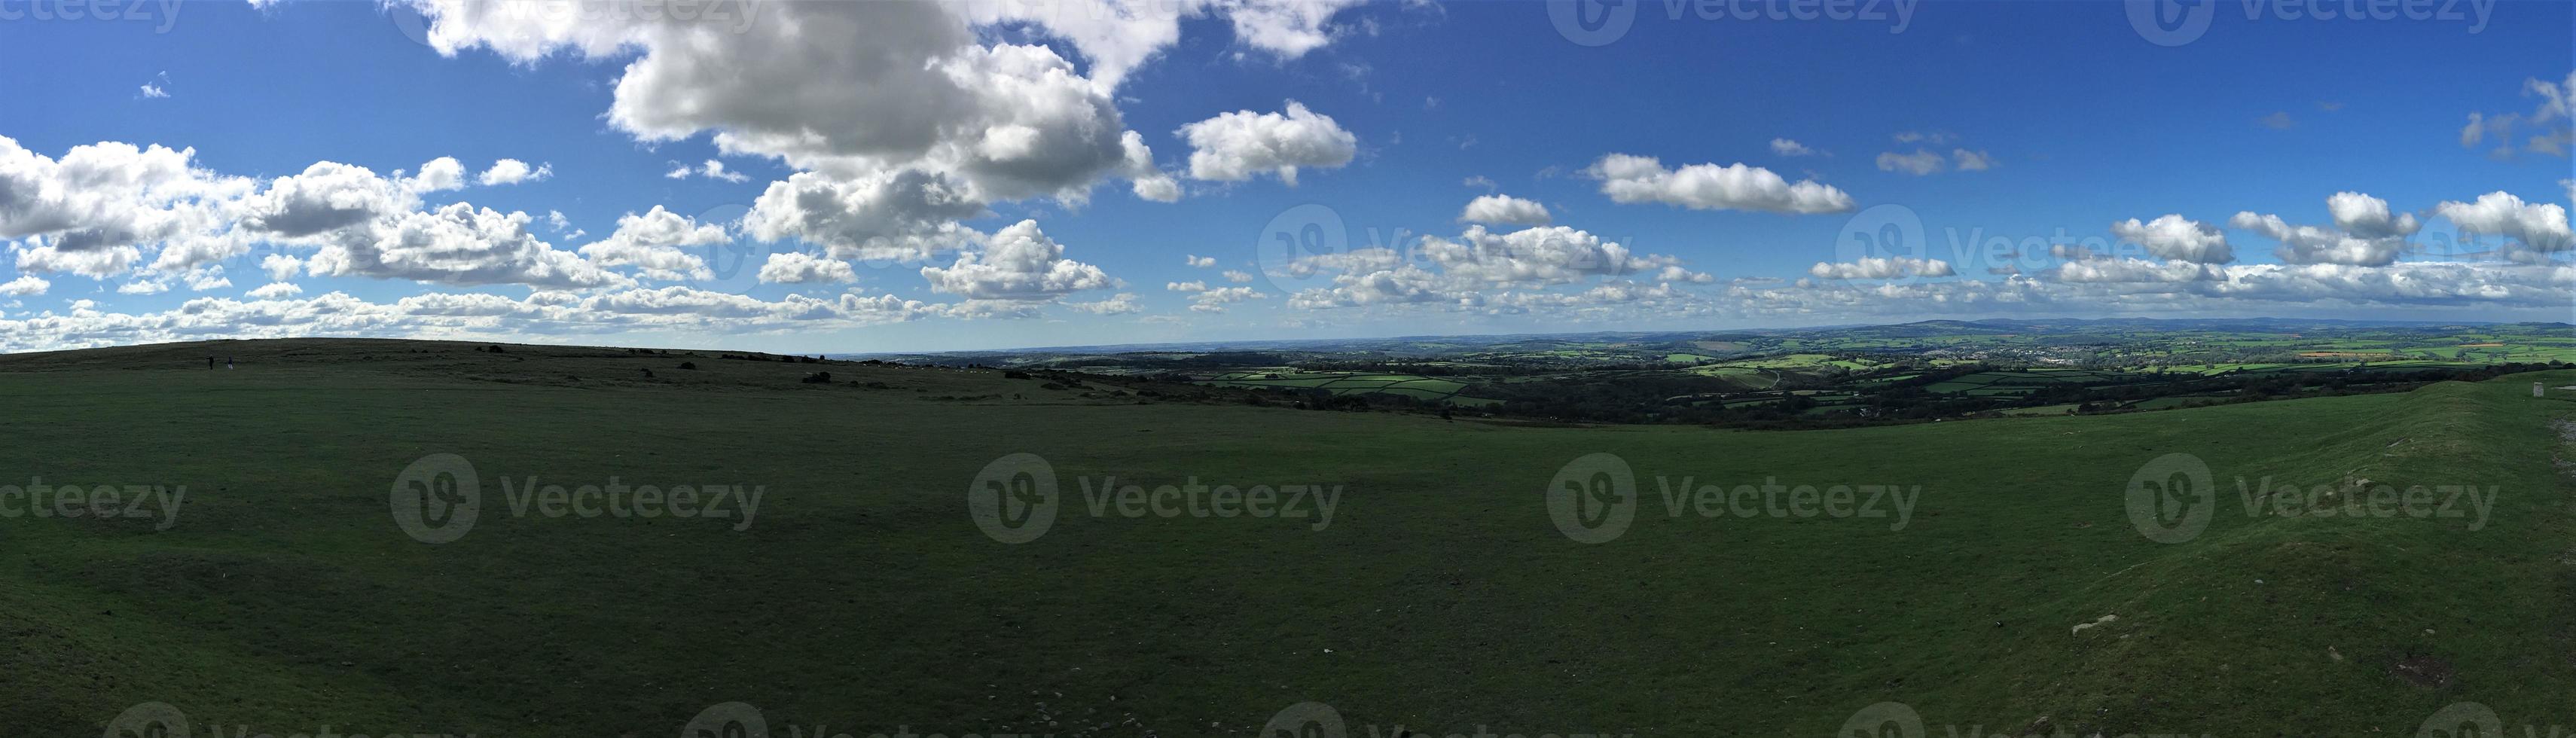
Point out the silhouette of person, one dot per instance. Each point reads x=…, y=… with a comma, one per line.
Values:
x=210, y=362
x=228, y=362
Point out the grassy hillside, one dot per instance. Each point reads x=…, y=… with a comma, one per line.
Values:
x=1441, y=596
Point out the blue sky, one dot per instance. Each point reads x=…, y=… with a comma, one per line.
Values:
x=1414, y=109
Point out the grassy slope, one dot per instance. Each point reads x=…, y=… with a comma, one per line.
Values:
x=1441, y=597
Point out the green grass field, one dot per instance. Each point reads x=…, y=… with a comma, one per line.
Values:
x=1441, y=596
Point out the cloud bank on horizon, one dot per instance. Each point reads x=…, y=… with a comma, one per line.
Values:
x=874, y=175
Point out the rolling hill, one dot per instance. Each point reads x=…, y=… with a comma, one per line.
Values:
x=861, y=593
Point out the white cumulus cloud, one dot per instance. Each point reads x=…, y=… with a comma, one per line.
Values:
x=1872, y=267
x=513, y=171
x=2176, y=238
x=655, y=244
x=2540, y=226
x=799, y=268
x=1638, y=179
x=1018, y=263
x=1233, y=147
x=1504, y=210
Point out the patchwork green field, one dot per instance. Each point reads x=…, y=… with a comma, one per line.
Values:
x=2328, y=366
x=1941, y=369
x=1438, y=592
x=1425, y=389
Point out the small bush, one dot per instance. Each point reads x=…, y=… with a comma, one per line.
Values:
x=688, y=365
x=817, y=378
